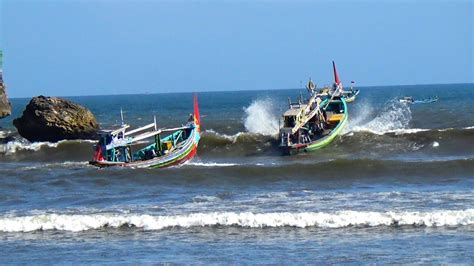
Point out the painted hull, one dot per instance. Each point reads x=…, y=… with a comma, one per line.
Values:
x=184, y=152
x=319, y=143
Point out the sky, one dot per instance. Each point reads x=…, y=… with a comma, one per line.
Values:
x=92, y=47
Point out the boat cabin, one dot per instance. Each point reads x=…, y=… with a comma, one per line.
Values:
x=335, y=112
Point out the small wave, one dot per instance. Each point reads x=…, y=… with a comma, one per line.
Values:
x=415, y=131
x=233, y=138
x=66, y=164
x=24, y=145
x=340, y=219
x=237, y=144
x=204, y=198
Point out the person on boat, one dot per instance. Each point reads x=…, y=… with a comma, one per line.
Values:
x=310, y=86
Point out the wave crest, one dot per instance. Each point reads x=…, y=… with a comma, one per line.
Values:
x=75, y=222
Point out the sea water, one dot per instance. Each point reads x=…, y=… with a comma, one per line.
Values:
x=396, y=187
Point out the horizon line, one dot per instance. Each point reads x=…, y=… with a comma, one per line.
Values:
x=245, y=90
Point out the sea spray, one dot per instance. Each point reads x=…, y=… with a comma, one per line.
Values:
x=260, y=118
x=360, y=114
x=393, y=117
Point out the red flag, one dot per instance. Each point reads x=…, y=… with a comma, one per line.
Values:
x=197, y=118
x=336, y=76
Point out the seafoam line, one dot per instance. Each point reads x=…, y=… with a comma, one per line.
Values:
x=83, y=222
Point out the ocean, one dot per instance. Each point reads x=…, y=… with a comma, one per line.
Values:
x=396, y=187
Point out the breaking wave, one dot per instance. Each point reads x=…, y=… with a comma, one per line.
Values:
x=210, y=164
x=339, y=219
x=246, y=143
x=16, y=145
x=24, y=145
x=394, y=117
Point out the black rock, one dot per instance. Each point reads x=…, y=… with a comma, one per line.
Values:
x=54, y=119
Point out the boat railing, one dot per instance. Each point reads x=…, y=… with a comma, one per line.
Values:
x=131, y=132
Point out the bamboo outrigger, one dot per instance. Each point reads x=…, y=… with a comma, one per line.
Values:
x=115, y=147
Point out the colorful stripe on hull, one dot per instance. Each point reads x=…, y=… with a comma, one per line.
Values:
x=320, y=143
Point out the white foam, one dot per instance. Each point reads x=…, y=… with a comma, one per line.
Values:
x=435, y=144
x=210, y=164
x=260, y=118
x=403, y=131
x=407, y=131
x=71, y=222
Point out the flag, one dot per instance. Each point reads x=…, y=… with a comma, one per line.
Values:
x=336, y=76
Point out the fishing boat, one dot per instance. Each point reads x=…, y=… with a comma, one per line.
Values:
x=411, y=100
x=313, y=124
x=165, y=146
x=350, y=95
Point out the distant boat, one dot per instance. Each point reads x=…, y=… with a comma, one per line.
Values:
x=116, y=147
x=337, y=88
x=351, y=95
x=411, y=100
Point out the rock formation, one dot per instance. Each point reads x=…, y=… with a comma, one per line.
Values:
x=54, y=119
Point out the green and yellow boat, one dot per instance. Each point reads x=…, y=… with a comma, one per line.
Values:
x=309, y=129
x=313, y=124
